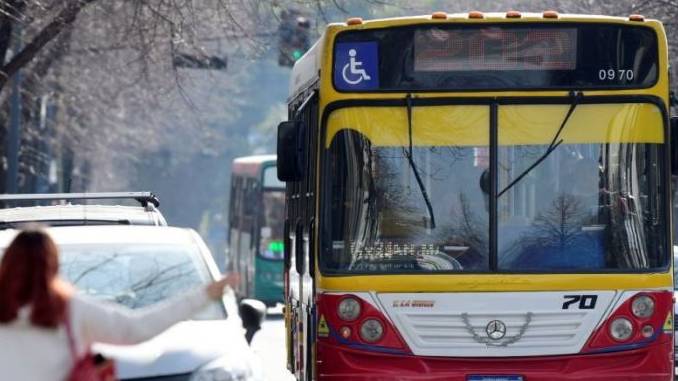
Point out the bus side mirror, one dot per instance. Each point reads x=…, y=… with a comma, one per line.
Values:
x=674, y=145
x=290, y=151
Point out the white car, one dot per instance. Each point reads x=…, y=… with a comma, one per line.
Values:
x=141, y=265
x=147, y=213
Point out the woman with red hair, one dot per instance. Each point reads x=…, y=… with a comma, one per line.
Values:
x=42, y=317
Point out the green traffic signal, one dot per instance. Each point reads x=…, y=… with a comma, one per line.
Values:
x=296, y=54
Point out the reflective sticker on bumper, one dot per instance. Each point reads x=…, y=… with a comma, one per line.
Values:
x=323, y=328
x=668, y=323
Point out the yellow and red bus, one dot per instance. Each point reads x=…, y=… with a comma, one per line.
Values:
x=480, y=196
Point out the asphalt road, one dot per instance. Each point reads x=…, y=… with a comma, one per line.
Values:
x=269, y=344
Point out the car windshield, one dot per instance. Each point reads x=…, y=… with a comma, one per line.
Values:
x=137, y=275
x=594, y=204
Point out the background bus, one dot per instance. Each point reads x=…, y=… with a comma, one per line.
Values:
x=256, y=216
x=492, y=200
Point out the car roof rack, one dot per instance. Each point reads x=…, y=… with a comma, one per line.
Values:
x=144, y=198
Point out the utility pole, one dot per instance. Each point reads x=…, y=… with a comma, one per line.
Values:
x=15, y=120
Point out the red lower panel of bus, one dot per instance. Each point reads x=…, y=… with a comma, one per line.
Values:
x=652, y=363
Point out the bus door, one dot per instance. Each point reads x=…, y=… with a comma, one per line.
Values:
x=299, y=296
x=300, y=302
x=301, y=207
x=309, y=115
x=306, y=308
x=292, y=300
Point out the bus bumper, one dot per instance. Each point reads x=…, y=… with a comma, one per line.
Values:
x=652, y=363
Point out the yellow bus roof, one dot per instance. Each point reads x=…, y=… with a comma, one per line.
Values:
x=307, y=70
x=491, y=17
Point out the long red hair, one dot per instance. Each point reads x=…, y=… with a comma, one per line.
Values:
x=28, y=277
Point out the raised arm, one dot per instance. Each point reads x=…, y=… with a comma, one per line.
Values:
x=115, y=324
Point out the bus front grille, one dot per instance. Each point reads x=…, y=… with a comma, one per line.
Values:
x=493, y=324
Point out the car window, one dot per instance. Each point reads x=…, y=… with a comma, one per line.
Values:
x=137, y=275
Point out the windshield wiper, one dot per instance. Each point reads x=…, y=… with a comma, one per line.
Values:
x=552, y=147
x=410, y=160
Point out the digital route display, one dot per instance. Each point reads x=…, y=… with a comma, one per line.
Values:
x=502, y=56
x=440, y=50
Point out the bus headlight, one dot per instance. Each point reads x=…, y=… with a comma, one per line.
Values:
x=371, y=330
x=348, y=309
x=621, y=329
x=642, y=306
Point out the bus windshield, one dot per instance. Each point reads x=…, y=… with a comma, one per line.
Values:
x=271, y=244
x=595, y=204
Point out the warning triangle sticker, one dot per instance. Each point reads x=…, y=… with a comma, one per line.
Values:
x=668, y=324
x=323, y=328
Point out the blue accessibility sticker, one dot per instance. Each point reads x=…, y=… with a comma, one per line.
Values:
x=356, y=66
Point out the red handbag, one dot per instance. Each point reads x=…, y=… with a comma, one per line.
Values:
x=89, y=367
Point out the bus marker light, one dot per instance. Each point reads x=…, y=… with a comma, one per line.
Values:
x=637, y=18
x=513, y=15
x=439, y=15
x=621, y=329
x=550, y=15
x=345, y=332
x=642, y=306
x=476, y=15
x=354, y=21
x=371, y=330
x=647, y=331
x=348, y=309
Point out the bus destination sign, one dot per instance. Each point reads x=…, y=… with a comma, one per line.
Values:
x=503, y=56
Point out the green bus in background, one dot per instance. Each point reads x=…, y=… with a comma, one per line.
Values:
x=256, y=223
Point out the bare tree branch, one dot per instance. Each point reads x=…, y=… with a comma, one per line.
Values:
x=66, y=17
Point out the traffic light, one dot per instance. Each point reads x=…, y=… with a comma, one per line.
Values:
x=293, y=37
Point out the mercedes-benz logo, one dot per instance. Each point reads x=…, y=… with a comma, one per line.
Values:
x=495, y=329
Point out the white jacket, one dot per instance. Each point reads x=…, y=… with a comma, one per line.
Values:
x=29, y=353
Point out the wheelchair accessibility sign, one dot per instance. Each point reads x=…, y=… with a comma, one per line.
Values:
x=356, y=66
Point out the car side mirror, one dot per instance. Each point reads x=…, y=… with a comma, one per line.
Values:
x=291, y=151
x=674, y=145
x=252, y=313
